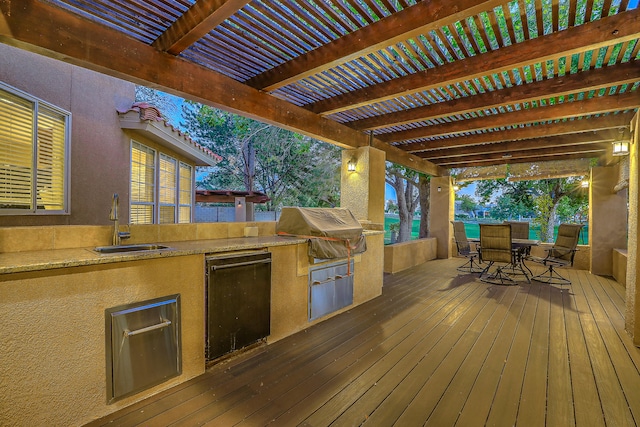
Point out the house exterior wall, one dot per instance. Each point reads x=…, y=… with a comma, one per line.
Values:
x=99, y=151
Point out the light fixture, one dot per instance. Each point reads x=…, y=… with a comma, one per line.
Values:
x=620, y=148
x=584, y=183
x=351, y=165
x=239, y=203
x=439, y=189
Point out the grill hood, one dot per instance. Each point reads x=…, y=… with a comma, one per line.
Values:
x=332, y=232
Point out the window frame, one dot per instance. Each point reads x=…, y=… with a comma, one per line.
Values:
x=133, y=203
x=157, y=204
x=191, y=204
x=37, y=104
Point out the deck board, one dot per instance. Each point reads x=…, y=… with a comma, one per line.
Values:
x=437, y=348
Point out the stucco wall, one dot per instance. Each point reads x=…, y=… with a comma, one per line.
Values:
x=632, y=302
x=400, y=256
x=290, y=281
x=620, y=266
x=52, y=335
x=607, y=219
x=99, y=151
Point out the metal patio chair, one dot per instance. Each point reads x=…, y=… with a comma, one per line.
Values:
x=495, y=244
x=464, y=249
x=560, y=255
x=520, y=230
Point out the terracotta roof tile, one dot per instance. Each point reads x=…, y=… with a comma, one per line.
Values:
x=149, y=112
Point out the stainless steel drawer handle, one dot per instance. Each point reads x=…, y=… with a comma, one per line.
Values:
x=164, y=324
x=240, y=264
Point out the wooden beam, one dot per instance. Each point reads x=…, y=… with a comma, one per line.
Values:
x=595, y=105
x=202, y=17
x=542, y=158
x=511, y=147
x=398, y=27
x=550, y=151
x=47, y=30
x=619, y=123
x=400, y=157
x=584, y=81
x=624, y=26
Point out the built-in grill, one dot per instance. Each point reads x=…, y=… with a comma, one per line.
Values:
x=143, y=345
x=334, y=237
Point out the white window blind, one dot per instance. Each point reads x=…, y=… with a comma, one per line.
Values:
x=168, y=189
x=33, y=155
x=186, y=193
x=143, y=160
x=161, y=187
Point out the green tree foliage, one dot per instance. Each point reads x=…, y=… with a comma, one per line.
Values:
x=549, y=201
x=467, y=204
x=293, y=170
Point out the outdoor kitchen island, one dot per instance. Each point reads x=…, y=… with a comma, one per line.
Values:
x=53, y=302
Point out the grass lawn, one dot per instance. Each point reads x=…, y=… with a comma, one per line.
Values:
x=473, y=231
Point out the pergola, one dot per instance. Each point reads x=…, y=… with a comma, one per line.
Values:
x=431, y=85
x=434, y=84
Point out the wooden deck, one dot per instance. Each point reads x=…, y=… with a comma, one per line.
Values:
x=437, y=349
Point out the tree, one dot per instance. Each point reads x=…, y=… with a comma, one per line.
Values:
x=548, y=200
x=290, y=168
x=467, y=204
x=424, y=189
x=404, y=181
x=553, y=192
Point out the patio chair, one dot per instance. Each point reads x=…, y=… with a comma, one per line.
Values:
x=520, y=230
x=495, y=241
x=464, y=249
x=560, y=255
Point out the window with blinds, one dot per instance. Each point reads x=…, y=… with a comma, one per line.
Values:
x=168, y=189
x=34, y=145
x=185, y=197
x=168, y=202
x=143, y=178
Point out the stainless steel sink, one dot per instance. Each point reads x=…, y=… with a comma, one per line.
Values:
x=129, y=248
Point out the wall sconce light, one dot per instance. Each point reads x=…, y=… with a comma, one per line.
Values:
x=351, y=165
x=620, y=148
x=239, y=203
x=584, y=183
x=439, y=189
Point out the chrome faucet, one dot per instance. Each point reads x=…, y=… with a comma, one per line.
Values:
x=113, y=216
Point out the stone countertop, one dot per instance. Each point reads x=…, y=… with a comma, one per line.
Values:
x=18, y=262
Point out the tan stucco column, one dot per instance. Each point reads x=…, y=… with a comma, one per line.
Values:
x=607, y=219
x=633, y=246
x=442, y=208
x=362, y=191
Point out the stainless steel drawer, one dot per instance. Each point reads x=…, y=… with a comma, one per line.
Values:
x=143, y=345
x=330, y=288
